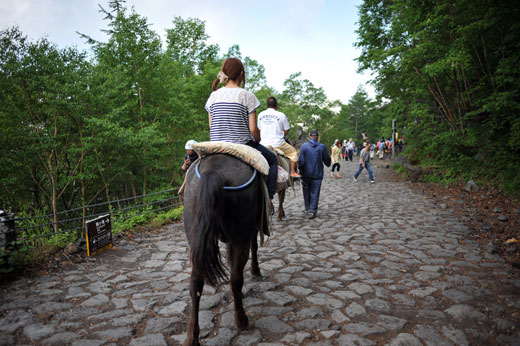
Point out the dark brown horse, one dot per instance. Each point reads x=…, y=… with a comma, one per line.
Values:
x=232, y=215
x=281, y=192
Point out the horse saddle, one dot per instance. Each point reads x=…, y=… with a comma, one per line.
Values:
x=248, y=154
x=283, y=162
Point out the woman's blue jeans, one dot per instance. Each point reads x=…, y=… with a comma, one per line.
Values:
x=272, y=160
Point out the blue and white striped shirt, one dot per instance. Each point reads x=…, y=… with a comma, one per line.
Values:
x=229, y=109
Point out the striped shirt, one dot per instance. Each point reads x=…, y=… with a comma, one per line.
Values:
x=229, y=109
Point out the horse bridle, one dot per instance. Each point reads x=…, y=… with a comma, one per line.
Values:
x=243, y=186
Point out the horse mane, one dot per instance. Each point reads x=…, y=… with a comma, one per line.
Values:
x=205, y=230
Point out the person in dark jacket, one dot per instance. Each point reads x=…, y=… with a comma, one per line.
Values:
x=310, y=163
x=190, y=155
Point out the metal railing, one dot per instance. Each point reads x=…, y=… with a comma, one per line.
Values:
x=73, y=220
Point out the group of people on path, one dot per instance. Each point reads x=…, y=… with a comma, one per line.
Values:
x=341, y=152
x=348, y=149
x=232, y=118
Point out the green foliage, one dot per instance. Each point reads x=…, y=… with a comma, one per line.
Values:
x=400, y=169
x=450, y=68
x=187, y=45
x=361, y=115
x=137, y=218
x=82, y=128
x=169, y=216
x=16, y=256
x=78, y=131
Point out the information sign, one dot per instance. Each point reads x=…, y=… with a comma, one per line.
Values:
x=99, y=234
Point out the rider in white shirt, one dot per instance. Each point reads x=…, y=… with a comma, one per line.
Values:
x=274, y=126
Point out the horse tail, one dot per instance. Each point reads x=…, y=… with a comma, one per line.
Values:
x=207, y=226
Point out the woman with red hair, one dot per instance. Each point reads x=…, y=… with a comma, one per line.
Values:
x=232, y=115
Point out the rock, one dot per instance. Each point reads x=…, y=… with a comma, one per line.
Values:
x=503, y=218
x=400, y=159
x=364, y=329
x=82, y=244
x=174, y=308
x=413, y=173
x=273, y=325
x=491, y=248
x=405, y=339
x=150, y=339
x=355, y=309
x=351, y=339
x=486, y=227
x=63, y=338
x=71, y=248
x=497, y=210
x=16, y=319
x=471, y=186
x=463, y=312
x=253, y=339
x=97, y=300
x=37, y=330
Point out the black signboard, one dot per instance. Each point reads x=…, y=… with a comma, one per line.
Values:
x=99, y=234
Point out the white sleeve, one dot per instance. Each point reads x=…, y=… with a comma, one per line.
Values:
x=252, y=102
x=259, y=122
x=209, y=102
x=286, y=125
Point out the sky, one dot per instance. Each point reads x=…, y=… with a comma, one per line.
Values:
x=314, y=37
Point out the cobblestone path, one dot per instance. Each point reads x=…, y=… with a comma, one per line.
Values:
x=379, y=265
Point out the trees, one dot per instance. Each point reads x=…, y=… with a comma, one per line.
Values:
x=77, y=131
x=450, y=67
x=79, y=128
x=302, y=102
x=361, y=115
x=45, y=103
x=358, y=109
x=186, y=44
x=188, y=68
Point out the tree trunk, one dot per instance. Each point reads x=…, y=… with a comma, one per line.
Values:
x=54, y=201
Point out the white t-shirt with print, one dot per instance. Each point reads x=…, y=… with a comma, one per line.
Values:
x=272, y=125
x=229, y=109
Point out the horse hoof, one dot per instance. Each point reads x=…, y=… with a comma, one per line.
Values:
x=191, y=342
x=257, y=276
x=242, y=323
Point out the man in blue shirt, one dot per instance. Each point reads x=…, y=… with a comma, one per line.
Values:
x=310, y=162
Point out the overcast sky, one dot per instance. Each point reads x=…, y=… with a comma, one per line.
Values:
x=314, y=37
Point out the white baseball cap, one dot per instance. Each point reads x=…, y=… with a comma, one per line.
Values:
x=189, y=144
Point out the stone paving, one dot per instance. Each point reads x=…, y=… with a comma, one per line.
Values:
x=380, y=265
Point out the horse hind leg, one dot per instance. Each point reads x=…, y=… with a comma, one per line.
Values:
x=255, y=269
x=196, y=287
x=239, y=257
x=281, y=199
